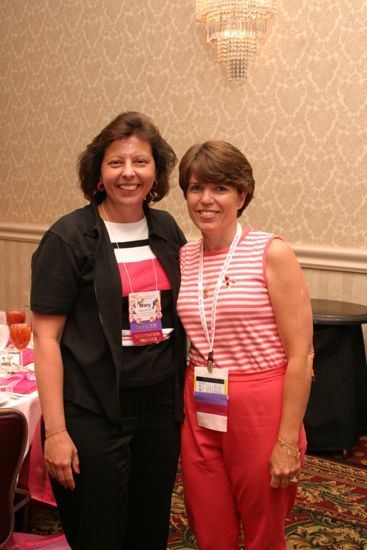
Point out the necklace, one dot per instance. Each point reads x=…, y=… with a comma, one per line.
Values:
x=108, y=220
x=123, y=263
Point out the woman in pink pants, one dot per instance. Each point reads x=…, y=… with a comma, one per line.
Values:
x=245, y=307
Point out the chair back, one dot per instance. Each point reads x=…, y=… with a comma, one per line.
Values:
x=13, y=437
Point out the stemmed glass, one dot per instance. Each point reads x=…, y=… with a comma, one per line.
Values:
x=4, y=338
x=13, y=316
x=20, y=334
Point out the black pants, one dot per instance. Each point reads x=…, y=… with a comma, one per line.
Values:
x=122, y=497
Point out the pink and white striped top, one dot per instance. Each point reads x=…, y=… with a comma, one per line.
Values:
x=246, y=335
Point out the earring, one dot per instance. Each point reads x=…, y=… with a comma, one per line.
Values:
x=100, y=186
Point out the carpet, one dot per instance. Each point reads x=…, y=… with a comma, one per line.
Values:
x=330, y=512
x=356, y=456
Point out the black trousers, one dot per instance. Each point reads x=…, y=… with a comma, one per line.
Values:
x=122, y=497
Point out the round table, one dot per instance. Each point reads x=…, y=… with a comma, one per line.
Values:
x=332, y=312
x=336, y=414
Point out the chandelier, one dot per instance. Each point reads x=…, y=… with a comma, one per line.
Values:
x=235, y=25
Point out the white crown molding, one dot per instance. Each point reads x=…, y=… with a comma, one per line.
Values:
x=310, y=257
x=26, y=233
x=352, y=260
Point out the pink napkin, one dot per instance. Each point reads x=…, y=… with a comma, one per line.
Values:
x=27, y=356
x=20, y=382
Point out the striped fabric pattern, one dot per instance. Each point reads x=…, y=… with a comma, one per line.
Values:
x=246, y=336
x=135, y=258
x=135, y=261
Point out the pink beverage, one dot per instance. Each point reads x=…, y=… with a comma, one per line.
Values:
x=20, y=334
x=15, y=316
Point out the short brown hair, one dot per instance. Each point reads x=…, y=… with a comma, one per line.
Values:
x=126, y=124
x=218, y=162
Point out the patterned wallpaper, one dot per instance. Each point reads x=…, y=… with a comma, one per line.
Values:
x=69, y=67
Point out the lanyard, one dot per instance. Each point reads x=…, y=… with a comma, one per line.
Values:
x=127, y=273
x=128, y=276
x=210, y=337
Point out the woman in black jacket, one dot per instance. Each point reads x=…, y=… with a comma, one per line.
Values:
x=109, y=347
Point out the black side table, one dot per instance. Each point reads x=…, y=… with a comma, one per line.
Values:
x=336, y=414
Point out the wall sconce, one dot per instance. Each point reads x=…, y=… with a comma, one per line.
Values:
x=235, y=25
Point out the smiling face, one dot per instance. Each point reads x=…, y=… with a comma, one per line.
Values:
x=128, y=172
x=213, y=208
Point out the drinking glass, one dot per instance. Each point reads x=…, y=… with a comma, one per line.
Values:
x=20, y=334
x=15, y=316
x=4, y=336
x=4, y=339
x=4, y=356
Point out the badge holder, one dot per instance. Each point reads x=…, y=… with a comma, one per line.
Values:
x=211, y=398
x=145, y=314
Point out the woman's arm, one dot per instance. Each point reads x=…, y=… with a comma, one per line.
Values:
x=292, y=309
x=61, y=455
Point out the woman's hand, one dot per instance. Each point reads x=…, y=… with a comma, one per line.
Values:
x=61, y=457
x=284, y=465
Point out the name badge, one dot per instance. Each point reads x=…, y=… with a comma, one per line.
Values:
x=211, y=398
x=145, y=314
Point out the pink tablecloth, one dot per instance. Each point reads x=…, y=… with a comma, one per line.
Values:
x=33, y=475
x=23, y=384
x=21, y=541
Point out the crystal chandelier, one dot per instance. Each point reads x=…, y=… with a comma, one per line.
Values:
x=235, y=25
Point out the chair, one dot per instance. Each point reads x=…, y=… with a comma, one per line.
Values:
x=13, y=437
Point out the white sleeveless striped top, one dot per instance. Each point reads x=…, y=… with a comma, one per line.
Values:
x=246, y=335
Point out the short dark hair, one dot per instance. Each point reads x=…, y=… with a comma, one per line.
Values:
x=218, y=162
x=126, y=124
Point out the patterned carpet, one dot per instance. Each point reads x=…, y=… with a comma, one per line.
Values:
x=357, y=456
x=330, y=511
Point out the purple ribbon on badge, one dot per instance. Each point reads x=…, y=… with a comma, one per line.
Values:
x=211, y=403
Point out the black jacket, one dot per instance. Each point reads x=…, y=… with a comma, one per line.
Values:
x=74, y=273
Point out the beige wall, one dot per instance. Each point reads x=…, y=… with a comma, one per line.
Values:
x=68, y=67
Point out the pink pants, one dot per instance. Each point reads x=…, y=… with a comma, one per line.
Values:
x=226, y=475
